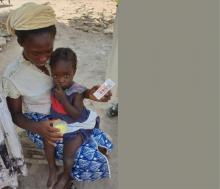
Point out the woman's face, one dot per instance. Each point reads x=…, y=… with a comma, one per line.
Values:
x=38, y=48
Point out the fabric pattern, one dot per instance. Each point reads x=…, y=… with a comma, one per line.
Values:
x=11, y=155
x=89, y=163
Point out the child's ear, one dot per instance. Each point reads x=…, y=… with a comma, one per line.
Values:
x=74, y=71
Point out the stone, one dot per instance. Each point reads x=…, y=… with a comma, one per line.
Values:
x=2, y=41
x=3, y=33
x=109, y=30
x=8, y=39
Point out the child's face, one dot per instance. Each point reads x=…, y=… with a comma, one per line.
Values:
x=63, y=73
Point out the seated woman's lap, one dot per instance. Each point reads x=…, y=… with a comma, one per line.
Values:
x=89, y=163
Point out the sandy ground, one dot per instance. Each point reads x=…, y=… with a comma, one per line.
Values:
x=93, y=49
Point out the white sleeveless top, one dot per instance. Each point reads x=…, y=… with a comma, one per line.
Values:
x=24, y=79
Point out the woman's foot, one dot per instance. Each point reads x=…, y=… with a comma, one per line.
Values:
x=52, y=178
x=63, y=180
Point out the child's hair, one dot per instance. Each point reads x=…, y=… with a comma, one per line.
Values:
x=65, y=54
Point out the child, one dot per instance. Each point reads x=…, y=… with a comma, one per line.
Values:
x=67, y=105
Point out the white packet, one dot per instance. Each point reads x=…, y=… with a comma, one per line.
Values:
x=104, y=88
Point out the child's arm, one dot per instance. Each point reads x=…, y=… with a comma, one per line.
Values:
x=88, y=93
x=74, y=109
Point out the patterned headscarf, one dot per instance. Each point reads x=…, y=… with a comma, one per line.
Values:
x=30, y=16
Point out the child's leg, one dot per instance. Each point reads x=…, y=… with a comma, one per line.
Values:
x=70, y=148
x=50, y=156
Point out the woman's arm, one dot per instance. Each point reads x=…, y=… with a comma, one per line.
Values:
x=43, y=128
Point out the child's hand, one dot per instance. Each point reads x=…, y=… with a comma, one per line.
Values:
x=60, y=94
x=105, y=98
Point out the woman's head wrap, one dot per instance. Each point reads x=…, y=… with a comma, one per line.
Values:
x=30, y=16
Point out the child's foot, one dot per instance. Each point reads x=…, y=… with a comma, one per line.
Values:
x=63, y=180
x=52, y=178
x=69, y=185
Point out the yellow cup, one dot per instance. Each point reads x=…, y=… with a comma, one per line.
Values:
x=61, y=125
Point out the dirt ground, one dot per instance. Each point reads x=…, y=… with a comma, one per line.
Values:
x=85, y=26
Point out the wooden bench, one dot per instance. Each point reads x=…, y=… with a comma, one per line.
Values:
x=33, y=155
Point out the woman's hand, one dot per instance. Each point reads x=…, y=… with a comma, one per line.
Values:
x=89, y=94
x=51, y=134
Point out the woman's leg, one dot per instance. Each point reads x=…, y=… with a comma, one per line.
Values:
x=70, y=148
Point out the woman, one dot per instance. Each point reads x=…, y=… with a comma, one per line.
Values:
x=27, y=83
x=11, y=160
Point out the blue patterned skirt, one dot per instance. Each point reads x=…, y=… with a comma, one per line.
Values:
x=89, y=163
